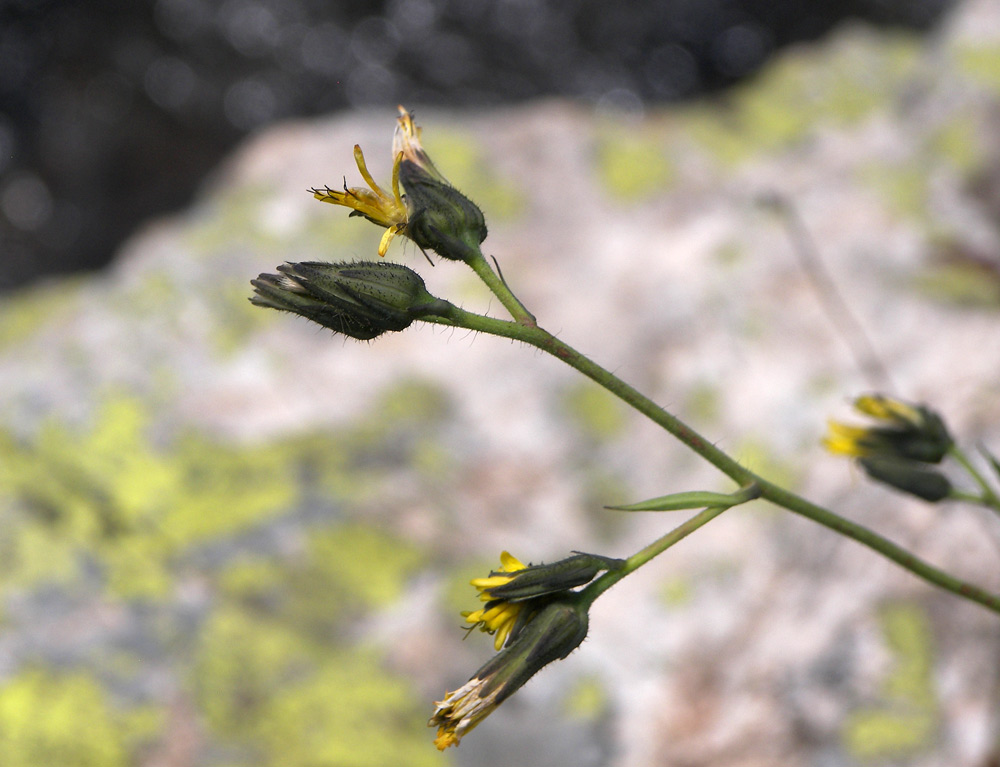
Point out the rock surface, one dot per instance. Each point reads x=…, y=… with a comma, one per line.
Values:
x=230, y=539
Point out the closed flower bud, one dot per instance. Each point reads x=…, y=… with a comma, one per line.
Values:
x=360, y=299
x=909, y=477
x=534, y=581
x=440, y=217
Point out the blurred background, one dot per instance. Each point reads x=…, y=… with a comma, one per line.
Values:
x=231, y=539
x=113, y=112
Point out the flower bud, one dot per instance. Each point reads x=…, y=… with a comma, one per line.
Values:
x=361, y=299
x=440, y=218
x=909, y=477
x=535, y=581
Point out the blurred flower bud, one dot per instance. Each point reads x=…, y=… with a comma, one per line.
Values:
x=908, y=476
x=532, y=581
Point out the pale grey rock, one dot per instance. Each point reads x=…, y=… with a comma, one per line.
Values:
x=762, y=639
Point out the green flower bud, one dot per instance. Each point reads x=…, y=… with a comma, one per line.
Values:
x=540, y=580
x=440, y=218
x=361, y=299
x=908, y=476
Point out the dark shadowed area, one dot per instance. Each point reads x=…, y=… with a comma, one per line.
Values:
x=114, y=111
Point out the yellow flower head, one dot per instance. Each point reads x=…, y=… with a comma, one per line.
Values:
x=377, y=205
x=888, y=409
x=843, y=439
x=498, y=616
x=901, y=430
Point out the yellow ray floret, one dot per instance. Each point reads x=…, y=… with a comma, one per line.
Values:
x=377, y=205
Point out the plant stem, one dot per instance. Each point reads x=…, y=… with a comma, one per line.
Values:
x=988, y=497
x=657, y=547
x=499, y=288
x=545, y=341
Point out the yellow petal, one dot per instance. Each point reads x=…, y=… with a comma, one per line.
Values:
x=510, y=562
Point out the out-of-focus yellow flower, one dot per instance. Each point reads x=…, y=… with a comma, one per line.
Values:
x=899, y=447
x=845, y=440
x=902, y=430
x=888, y=409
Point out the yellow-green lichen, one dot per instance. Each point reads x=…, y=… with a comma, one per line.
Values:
x=340, y=572
x=981, y=62
x=586, y=700
x=758, y=456
x=243, y=662
x=362, y=565
x=703, y=403
x=729, y=254
x=294, y=701
x=903, y=722
x=237, y=319
x=595, y=412
x=839, y=85
x=230, y=219
x=633, y=167
x=961, y=283
x=463, y=161
x=902, y=187
x=958, y=142
x=26, y=312
x=107, y=492
x=676, y=592
x=410, y=402
x=599, y=486
x=67, y=720
x=350, y=712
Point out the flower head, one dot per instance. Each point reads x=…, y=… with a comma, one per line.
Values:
x=896, y=450
x=554, y=632
x=360, y=299
x=516, y=591
x=902, y=430
x=432, y=213
x=498, y=616
x=375, y=204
